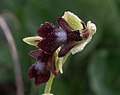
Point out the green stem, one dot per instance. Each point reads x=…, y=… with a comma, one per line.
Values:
x=49, y=83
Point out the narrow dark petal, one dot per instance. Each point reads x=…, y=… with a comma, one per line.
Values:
x=40, y=55
x=46, y=30
x=35, y=53
x=48, y=45
x=63, y=24
x=74, y=36
x=66, y=48
x=44, y=57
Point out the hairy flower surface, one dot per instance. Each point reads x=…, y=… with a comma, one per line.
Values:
x=54, y=37
x=40, y=73
x=40, y=70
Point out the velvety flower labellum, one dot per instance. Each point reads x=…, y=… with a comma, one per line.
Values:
x=41, y=74
x=42, y=67
x=48, y=32
x=54, y=37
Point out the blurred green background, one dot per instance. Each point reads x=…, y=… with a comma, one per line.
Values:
x=94, y=71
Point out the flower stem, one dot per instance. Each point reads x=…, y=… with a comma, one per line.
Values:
x=49, y=83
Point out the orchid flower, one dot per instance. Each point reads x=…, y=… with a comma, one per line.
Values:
x=86, y=32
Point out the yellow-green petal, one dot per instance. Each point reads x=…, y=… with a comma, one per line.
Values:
x=73, y=20
x=32, y=40
x=61, y=62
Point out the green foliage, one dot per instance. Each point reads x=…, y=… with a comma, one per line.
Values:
x=94, y=71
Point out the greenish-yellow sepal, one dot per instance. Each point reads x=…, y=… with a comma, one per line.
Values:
x=32, y=40
x=62, y=60
x=61, y=64
x=73, y=20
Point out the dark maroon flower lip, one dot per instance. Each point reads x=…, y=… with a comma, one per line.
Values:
x=49, y=43
x=47, y=59
x=66, y=48
x=40, y=70
x=54, y=37
x=41, y=74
